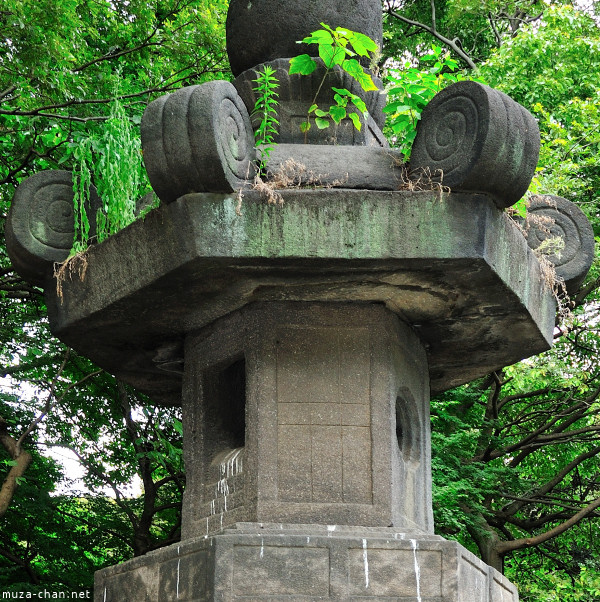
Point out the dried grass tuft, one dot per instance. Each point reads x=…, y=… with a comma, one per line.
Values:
x=422, y=179
x=75, y=266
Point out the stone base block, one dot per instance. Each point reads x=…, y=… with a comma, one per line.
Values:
x=254, y=562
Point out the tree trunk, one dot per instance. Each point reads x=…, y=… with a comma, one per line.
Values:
x=21, y=460
x=487, y=541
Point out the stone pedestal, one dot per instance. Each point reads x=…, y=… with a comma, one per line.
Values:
x=302, y=341
x=257, y=562
x=306, y=413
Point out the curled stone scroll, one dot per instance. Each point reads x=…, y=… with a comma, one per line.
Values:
x=41, y=226
x=198, y=139
x=551, y=216
x=475, y=138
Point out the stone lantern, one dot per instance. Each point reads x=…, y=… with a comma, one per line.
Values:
x=303, y=340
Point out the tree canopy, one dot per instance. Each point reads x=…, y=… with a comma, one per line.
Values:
x=515, y=454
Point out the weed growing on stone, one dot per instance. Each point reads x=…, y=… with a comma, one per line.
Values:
x=265, y=109
x=114, y=162
x=409, y=89
x=551, y=245
x=337, y=48
x=75, y=266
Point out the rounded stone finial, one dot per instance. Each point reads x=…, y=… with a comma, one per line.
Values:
x=474, y=138
x=40, y=227
x=553, y=216
x=198, y=139
x=259, y=31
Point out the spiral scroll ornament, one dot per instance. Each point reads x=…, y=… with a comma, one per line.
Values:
x=40, y=227
x=550, y=216
x=198, y=139
x=474, y=138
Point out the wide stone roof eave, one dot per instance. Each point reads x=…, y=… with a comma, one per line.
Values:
x=451, y=265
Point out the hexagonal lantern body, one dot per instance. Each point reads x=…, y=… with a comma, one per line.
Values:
x=307, y=413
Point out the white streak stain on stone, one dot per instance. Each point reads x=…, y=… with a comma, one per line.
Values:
x=104, y=594
x=330, y=529
x=262, y=547
x=178, y=563
x=413, y=543
x=366, y=563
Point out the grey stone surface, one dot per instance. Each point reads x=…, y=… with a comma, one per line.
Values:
x=277, y=562
x=452, y=266
x=263, y=30
x=198, y=139
x=359, y=167
x=329, y=421
x=40, y=227
x=296, y=95
x=145, y=203
x=477, y=139
x=552, y=216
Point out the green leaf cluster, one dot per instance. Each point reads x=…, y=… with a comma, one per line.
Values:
x=265, y=109
x=337, y=48
x=410, y=89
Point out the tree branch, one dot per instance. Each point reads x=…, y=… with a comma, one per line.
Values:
x=552, y=483
x=48, y=404
x=452, y=44
x=503, y=547
x=21, y=461
x=24, y=564
x=113, y=55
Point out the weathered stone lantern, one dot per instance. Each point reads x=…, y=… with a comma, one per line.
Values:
x=303, y=340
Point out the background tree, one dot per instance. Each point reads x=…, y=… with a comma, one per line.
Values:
x=520, y=484
x=61, y=68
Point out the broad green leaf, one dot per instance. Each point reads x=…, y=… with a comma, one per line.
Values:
x=305, y=126
x=321, y=123
x=342, y=91
x=396, y=107
x=361, y=43
x=337, y=113
x=320, y=36
x=331, y=55
x=359, y=103
x=342, y=101
x=354, y=68
x=302, y=64
x=355, y=120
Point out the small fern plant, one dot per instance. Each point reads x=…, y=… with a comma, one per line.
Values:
x=338, y=47
x=265, y=108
